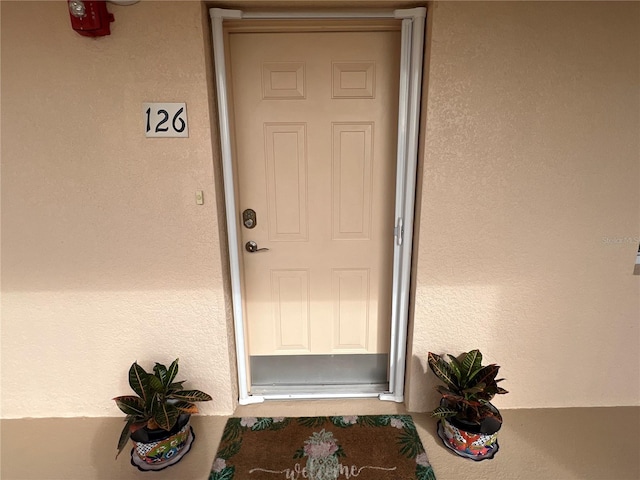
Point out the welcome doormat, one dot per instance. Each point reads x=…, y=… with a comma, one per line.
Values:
x=372, y=447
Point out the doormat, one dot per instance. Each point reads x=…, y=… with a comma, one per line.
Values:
x=371, y=447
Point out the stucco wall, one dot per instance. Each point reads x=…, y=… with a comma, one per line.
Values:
x=530, y=162
x=106, y=258
x=530, y=200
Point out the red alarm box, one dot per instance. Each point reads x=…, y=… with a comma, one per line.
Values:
x=90, y=18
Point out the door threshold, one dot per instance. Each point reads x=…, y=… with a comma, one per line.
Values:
x=337, y=370
x=305, y=392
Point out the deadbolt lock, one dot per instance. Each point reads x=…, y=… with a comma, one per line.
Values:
x=249, y=218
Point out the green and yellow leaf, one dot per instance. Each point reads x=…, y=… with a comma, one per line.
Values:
x=124, y=436
x=444, y=412
x=455, y=366
x=175, y=387
x=442, y=370
x=139, y=381
x=155, y=384
x=172, y=372
x=190, y=396
x=446, y=393
x=469, y=392
x=186, y=407
x=472, y=361
x=161, y=373
x=131, y=405
x=486, y=374
x=165, y=415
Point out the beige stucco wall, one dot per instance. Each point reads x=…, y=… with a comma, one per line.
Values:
x=530, y=162
x=106, y=258
x=531, y=199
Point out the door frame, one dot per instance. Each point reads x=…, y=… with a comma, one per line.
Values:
x=412, y=34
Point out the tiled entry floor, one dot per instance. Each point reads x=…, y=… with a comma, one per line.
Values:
x=543, y=444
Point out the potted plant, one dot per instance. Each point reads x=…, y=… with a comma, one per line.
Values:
x=158, y=417
x=469, y=423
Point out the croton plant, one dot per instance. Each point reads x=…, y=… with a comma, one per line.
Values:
x=159, y=401
x=468, y=390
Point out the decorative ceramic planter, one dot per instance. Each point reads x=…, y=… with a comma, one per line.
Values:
x=469, y=440
x=158, y=449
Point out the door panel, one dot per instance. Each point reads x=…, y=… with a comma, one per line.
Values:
x=352, y=180
x=290, y=302
x=286, y=180
x=315, y=144
x=351, y=309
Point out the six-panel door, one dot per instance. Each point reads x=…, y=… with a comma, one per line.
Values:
x=315, y=117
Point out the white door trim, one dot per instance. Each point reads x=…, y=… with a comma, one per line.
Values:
x=413, y=21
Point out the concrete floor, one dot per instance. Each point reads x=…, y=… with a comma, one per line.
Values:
x=544, y=444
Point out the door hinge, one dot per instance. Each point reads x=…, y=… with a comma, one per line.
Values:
x=398, y=231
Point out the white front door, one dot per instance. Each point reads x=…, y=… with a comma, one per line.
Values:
x=319, y=189
x=315, y=139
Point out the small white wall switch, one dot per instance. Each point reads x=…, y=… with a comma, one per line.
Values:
x=199, y=197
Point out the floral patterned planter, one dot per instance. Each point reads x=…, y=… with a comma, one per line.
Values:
x=160, y=453
x=476, y=446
